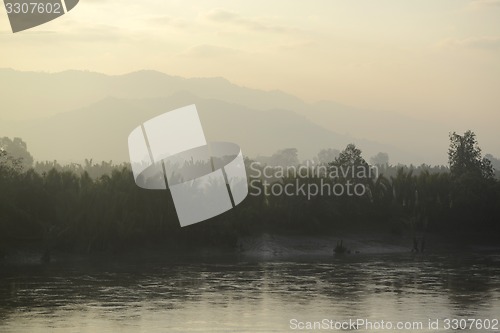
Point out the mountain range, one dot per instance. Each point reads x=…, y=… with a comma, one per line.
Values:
x=73, y=115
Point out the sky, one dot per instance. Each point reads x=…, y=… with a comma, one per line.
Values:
x=437, y=59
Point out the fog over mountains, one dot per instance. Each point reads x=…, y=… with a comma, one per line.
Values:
x=73, y=115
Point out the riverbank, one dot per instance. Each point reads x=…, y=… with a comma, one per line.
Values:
x=261, y=248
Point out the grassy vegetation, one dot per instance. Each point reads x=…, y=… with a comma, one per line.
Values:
x=68, y=210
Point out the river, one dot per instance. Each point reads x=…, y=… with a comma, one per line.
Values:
x=244, y=295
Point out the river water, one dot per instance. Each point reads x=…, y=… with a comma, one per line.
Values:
x=245, y=295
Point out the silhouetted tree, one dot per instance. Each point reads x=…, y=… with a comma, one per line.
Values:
x=351, y=165
x=18, y=150
x=495, y=163
x=381, y=159
x=328, y=155
x=464, y=156
x=285, y=157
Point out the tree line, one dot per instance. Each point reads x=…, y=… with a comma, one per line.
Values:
x=98, y=207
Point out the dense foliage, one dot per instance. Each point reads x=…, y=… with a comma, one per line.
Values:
x=67, y=209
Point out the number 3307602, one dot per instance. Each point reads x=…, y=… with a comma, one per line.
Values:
x=33, y=8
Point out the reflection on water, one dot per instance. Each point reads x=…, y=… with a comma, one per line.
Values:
x=239, y=296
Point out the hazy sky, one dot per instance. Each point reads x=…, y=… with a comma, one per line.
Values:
x=419, y=57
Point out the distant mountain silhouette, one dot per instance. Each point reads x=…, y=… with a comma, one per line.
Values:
x=100, y=131
x=76, y=114
x=35, y=94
